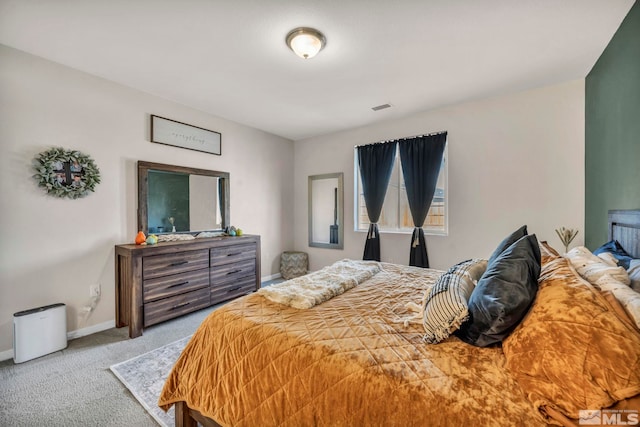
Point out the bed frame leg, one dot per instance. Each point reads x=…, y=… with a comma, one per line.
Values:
x=182, y=417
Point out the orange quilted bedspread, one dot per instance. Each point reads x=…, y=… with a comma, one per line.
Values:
x=349, y=361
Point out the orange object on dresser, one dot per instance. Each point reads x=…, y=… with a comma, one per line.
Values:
x=140, y=238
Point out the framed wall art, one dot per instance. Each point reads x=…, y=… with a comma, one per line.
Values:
x=178, y=134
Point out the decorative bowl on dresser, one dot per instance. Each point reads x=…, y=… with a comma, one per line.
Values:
x=160, y=282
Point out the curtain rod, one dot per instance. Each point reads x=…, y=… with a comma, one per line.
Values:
x=404, y=138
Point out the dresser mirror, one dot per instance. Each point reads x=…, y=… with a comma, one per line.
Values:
x=326, y=211
x=177, y=199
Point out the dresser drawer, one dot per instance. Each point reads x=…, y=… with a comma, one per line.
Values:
x=180, y=262
x=233, y=289
x=168, y=308
x=232, y=272
x=232, y=254
x=166, y=286
x=161, y=282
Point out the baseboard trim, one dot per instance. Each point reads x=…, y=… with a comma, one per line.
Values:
x=91, y=329
x=271, y=277
x=8, y=354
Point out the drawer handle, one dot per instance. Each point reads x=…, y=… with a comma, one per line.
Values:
x=175, y=307
x=234, y=271
x=179, y=284
x=234, y=289
x=175, y=264
x=235, y=254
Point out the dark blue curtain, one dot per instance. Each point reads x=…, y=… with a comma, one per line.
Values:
x=376, y=163
x=421, y=158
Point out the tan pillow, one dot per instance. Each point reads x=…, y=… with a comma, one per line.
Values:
x=572, y=352
x=608, y=258
x=591, y=267
x=628, y=298
x=634, y=274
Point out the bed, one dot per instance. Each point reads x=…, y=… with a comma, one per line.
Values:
x=356, y=359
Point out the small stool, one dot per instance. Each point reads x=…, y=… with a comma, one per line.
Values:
x=293, y=264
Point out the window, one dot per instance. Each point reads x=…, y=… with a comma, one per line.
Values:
x=396, y=215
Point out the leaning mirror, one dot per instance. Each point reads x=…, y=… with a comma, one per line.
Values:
x=177, y=199
x=326, y=213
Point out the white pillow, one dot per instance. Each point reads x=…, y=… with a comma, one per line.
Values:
x=628, y=298
x=592, y=267
x=446, y=304
x=608, y=258
x=634, y=274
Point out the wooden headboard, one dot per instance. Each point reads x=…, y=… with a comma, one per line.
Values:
x=624, y=226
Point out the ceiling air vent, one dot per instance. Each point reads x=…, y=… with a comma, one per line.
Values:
x=381, y=107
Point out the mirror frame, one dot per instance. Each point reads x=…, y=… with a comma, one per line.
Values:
x=340, y=244
x=143, y=191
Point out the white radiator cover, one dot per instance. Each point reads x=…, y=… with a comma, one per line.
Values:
x=39, y=331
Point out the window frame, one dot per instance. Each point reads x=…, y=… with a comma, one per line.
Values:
x=427, y=231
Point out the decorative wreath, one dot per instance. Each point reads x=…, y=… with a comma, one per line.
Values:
x=66, y=173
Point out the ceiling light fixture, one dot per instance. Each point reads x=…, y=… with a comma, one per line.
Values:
x=306, y=42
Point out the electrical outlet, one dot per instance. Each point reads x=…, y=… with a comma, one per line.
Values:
x=94, y=290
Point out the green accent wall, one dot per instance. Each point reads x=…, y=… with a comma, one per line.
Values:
x=612, y=133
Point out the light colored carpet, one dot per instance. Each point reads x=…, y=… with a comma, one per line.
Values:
x=75, y=387
x=145, y=375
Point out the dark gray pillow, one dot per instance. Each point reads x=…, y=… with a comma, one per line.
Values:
x=508, y=241
x=503, y=294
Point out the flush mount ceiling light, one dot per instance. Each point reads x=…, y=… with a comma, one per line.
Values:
x=306, y=42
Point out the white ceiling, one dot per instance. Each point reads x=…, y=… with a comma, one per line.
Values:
x=228, y=57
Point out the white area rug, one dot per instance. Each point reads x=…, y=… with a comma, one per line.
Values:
x=145, y=375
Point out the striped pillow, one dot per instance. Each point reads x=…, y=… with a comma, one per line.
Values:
x=445, y=307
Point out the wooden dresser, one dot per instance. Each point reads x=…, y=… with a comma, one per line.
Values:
x=164, y=281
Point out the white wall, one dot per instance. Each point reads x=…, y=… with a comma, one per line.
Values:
x=513, y=160
x=52, y=250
